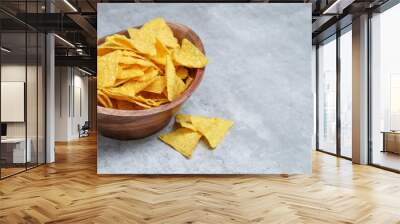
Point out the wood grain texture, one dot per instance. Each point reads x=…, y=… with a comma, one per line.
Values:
x=132, y=124
x=70, y=191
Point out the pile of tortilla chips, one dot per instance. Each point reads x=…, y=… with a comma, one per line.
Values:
x=147, y=69
x=192, y=128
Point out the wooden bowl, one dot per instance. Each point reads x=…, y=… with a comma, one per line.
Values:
x=133, y=124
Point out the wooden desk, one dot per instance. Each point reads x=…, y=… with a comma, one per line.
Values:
x=391, y=141
x=13, y=150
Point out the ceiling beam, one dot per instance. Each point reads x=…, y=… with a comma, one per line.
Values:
x=320, y=22
x=82, y=61
x=337, y=7
x=86, y=26
x=49, y=22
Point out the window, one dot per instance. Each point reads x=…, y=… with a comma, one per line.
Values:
x=346, y=92
x=385, y=89
x=327, y=96
x=334, y=138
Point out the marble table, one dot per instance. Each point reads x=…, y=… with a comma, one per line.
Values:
x=259, y=76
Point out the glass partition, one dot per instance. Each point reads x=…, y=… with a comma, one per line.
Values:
x=31, y=86
x=31, y=97
x=14, y=153
x=22, y=88
x=41, y=96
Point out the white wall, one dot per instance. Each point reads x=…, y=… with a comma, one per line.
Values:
x=80, y=103
x=71, y=93
x=16, y=72
x=61, y=104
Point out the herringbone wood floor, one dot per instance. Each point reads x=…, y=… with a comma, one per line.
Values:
x=70, y=191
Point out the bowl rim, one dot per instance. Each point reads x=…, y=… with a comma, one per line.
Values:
x=198, y=76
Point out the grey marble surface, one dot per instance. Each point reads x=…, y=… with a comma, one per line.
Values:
x=259, y=76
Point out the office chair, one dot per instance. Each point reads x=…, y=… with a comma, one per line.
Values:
x=84, y=130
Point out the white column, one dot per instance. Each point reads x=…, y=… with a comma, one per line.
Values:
x=313, y=84
x=50, y=93
x=360, y=90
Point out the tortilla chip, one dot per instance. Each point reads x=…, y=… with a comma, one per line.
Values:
x=111, y=44
x=185, y=121
x=130, y=88
x=107, y=68
x=119, y=40
x=103, y=99
x=158, y=29
x=146, y=101
x=135, y=61
x=157, y=86
x=182, y=140
x=132, y=54
x=174, y=84
x=189, y=56
x=162, y=53
x=103, y=51
x=153, y=96
x=150, y=73
x=213, y=129
x=189, y=81
x=119, y=82
x=139, y=103
x=182, y=72
x=131, y=72
x=142, y=42
x=133, y=99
